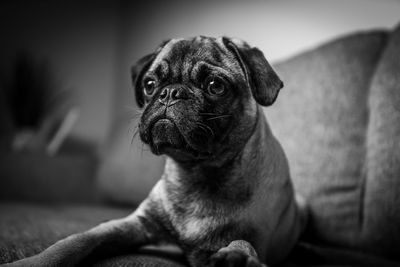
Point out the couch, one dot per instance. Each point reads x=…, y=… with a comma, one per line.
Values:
x=338, y=119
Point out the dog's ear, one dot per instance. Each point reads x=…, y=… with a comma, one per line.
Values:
x=263, y=81
x=139, y=69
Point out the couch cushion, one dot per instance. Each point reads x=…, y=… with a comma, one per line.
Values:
x=27, y=229
x=143, y=259
x=321, y=118
x=65, y=177
x=380, y=221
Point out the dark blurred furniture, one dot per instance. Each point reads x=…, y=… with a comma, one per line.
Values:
x=338, y=119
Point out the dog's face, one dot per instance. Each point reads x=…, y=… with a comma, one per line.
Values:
x=199, y=95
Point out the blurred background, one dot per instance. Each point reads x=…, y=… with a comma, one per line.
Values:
x=67, y=111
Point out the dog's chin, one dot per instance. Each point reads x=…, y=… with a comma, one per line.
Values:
x=167, y=139
x=165, y=136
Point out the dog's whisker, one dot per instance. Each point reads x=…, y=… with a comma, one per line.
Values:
x=219, y=117
x=132, y=109
x=130, y=130
x=210, y=114
x=207, y=127
x=141, y=151
x=135, y=133
x=135, y=116
x=203, y=128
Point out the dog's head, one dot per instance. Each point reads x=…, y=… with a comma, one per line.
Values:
x=200, y=95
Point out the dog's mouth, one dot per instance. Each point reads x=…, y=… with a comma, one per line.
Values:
x=164, y=134
x=166, y=137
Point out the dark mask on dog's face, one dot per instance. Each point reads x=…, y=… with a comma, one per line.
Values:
x=199, y=95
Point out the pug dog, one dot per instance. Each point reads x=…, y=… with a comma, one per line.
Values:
x=225, y=197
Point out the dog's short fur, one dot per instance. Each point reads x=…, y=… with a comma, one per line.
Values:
x=225, y=196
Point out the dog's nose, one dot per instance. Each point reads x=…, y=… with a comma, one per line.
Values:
x=171, y=95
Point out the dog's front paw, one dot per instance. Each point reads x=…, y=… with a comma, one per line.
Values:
x=226, y=257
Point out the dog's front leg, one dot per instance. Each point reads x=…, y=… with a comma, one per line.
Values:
x=237, y=253
x=130, y=233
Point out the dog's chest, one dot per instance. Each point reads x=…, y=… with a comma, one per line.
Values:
x=192, y=219
x=192, y=224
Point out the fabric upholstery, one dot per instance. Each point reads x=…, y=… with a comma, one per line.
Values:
x=338, y=119
x=151, y=258
x=321, y=119
x=380, y=221
x=68, y=177
x=27, y=229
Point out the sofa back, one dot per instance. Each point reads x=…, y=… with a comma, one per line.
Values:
x=338, y=120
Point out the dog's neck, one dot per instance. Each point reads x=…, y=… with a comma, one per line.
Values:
x=213, y=178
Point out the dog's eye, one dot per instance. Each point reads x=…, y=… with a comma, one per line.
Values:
x=215, y=87
x=149, y=85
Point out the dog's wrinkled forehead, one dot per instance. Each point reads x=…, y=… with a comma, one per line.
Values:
x=184, y=57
